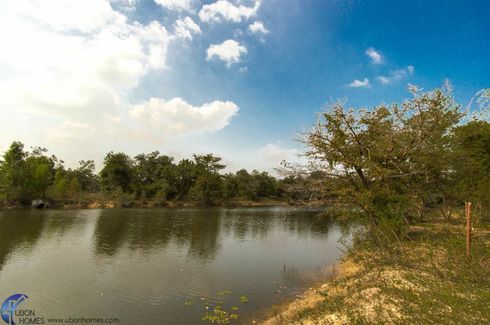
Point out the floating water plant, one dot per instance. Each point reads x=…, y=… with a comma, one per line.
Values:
x=223, y=293
x=219, y=316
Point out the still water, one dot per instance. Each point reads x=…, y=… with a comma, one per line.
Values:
x=162, y=266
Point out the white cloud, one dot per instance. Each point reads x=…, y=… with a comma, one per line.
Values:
x=270, y=156
x=184, y=28
x=223, y=10
x=237, y=33
x=69, y=57
x=229, y=51
x=275, y=154
x=257, y=27
x=177, y=5
x=384, y=80
x=125, y=5
x=70, y=67
x=375, y=56
x=69, y=130
x=360, y=84
x=177, y=117
x=396, y=75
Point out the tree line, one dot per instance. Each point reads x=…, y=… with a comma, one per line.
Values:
x=390, y=163
x=28, y=175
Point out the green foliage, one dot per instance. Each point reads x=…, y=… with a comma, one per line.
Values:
x=85, y=174
x=230, y=186
x=13, y=170
x=208, y=182
x=186, y=177
x=155, y=176
x=117, y=172
x=123, y=199
x=471, y=161
x=390, y=161
x=266, y=185
x=207, y=188
x=41, y=170
x=25, y=176
x=152, y=178
x=249, y=186
x=66, y=186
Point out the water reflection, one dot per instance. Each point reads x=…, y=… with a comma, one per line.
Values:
x=204, y=233
x=59, y=223
x=22, y=229
x=116, y=261
x=19, y=230
x=198, y=230
x=110, y=233
x=146, y=230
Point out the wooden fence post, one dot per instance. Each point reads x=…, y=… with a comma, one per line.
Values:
x=468, y=227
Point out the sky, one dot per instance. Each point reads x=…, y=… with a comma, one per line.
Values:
x=239, y=78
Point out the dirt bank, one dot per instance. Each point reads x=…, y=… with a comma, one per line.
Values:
x=424, y=280
x=110, y=204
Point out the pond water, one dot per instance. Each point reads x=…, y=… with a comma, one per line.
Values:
x=162, y=266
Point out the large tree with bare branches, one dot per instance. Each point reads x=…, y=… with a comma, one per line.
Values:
x=391, y=160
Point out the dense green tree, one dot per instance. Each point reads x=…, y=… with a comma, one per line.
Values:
x=230, y=186
x=13, y=172
x=208, y=163
x=266, y=184
x=244, y=185
x=186, y=177
x=66, y=186
x=86, y=176
x=208, y=185
x=471, y=162
x=247, y=186
x=117, y=172
x=26, y=176
x=155, y=174
x=40, y=170
x=208, y=188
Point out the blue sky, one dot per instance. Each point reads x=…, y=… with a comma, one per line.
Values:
x=237, y=78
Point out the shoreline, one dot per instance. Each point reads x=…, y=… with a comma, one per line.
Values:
x=425, y=280
x=112, y=204
x=285, y=312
